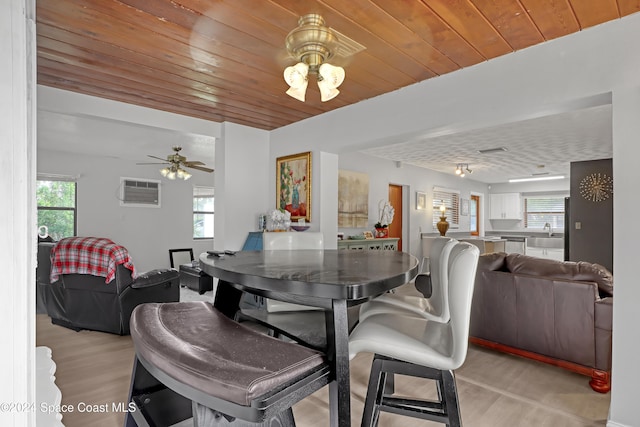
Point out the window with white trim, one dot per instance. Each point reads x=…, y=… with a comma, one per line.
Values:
x=450, y=199
x=203, y=212
x=56, y=198
x=540, y=210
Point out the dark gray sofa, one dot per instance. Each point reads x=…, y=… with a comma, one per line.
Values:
x=552, y=311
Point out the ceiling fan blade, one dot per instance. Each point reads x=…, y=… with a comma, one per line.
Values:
x=156, y=163
x=155, y=157
x=200, y=168
x=195, y=162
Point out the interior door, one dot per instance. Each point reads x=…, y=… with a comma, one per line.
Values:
x=474, y=215
x=395, y=198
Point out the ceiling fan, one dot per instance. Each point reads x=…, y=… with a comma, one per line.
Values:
x=313, y=46
x=176, y=164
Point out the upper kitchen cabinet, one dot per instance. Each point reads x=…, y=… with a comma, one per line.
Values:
x=506, y=206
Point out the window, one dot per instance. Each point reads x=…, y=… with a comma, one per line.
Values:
x=56, y=200
x=539, y=210
x=203, y=202
x=451, y=201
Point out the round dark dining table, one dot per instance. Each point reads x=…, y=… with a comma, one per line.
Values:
x=330, y=279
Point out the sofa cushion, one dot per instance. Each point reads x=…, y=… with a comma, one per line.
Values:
x=494, y=261
x=567, y=270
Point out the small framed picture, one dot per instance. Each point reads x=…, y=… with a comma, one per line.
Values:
x=464, y=207
x=421, y=200
x=367, y=235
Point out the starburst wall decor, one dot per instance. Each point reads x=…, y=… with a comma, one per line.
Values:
x=596, y=187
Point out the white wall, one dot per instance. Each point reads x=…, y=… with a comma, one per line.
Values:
x=242, y=183
x=17, y=218
x=626, y=234
x=383, y=172
x=148, y=233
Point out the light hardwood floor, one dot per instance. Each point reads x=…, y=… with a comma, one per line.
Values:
x=495, y=390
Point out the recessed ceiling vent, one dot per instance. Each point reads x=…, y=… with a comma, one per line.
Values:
x=492, y=150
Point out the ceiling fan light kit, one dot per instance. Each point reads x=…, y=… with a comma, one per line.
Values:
x=176, y=165
x=174, y=172
x=312, y=43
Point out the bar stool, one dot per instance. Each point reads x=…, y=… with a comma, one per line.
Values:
x=191, y=360
x=414, y=346
x=434, y=305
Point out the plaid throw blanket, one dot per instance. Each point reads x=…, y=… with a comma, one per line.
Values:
x=89, y=255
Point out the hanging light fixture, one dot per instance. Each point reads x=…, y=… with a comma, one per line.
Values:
x=312, y=43
x=462, y=169
x=172, y=172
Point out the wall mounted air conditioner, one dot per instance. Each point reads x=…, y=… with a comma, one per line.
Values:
x=140, y=192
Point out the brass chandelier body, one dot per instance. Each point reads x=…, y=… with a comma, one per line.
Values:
x=313, y=44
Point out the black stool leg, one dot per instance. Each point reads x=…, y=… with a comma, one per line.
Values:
x=450, y=398
x=375, y=390
x=151, y=403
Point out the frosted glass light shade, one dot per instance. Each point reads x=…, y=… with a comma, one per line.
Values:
x=332, y=75
x=296, y=78
x=327, y=92
x=298, y=92
x=296, y=75
x=330, y=78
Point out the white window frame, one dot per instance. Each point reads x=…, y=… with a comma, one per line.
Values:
x=199, y=191
x=542, y=196
x=451, y=200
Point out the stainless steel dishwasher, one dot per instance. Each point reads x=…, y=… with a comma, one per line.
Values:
x=515, y=244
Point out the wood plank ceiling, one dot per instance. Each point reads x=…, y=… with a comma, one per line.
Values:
x=223, y=60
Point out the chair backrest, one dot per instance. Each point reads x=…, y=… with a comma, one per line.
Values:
x=177, y=257
x=292, y=240
x=476, y=242
x=463, y=261
x=439, y=259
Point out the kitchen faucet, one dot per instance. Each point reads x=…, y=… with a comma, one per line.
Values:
x=548, y=226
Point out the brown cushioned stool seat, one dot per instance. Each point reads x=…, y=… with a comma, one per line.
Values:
x=199, y=353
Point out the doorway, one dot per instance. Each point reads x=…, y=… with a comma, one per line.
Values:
x=474, y=215
x=395, y=198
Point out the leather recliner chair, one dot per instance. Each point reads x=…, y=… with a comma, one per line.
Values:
x=85, y=301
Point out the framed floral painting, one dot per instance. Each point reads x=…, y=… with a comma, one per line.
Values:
x=293, y=185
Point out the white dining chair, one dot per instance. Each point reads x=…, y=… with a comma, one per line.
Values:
x=477, y=242
x=290, y=240
x=416, y=346
x=433, y=305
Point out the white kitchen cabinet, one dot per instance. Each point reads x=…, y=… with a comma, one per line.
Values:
x=506, y=206
x=548, y=253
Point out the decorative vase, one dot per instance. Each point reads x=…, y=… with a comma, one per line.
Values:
x=295, y=198
x=382, y=232
x=443, y=225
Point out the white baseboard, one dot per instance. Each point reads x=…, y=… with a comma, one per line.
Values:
x=614, y=424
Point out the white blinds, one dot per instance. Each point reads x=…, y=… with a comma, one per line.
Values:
x=451, y=200
x=542, y=210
